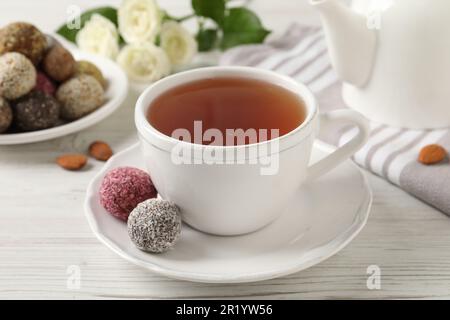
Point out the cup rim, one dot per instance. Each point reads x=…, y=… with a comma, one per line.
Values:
x=144, y=127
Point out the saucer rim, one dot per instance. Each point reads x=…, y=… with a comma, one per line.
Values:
x=349, y=235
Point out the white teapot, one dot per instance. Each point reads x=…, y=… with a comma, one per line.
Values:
x=394, y=58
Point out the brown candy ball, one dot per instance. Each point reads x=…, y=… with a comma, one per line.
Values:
x=86, y=67
x=6, y=115
x=36, y=111
x=23, y=38
x=59, y=63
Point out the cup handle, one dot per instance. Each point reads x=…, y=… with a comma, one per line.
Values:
x=346, y=151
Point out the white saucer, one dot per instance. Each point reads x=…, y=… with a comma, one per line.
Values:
x=115, y=94
x=335, y=208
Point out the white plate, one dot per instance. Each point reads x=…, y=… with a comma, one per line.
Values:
x=322, y=219
x=115, y=94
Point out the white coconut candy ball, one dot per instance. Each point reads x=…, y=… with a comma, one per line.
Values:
x=17, y=75
x=155, y=225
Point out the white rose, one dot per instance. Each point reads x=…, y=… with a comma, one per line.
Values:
x=179, y=43
x=139, y=20
x=99, y=36
x=144, y=62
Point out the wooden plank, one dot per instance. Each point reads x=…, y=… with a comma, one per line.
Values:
x=43, y=229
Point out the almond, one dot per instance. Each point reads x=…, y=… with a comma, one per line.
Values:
x=72, y=162
x=432, y=154
x=100, y=150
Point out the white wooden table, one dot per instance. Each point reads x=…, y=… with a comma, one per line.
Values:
x=43, y=230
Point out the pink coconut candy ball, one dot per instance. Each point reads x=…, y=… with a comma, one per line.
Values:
x=44, y=84
x=123, y=188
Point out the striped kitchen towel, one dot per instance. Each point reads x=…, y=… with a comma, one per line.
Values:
x=390, y=152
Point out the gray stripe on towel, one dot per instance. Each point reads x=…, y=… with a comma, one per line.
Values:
x=375, y=148
x=394, y=155
x=297, y=55
x=307, y=63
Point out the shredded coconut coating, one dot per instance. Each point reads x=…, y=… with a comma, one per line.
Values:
x=79, y=96
x=17, y=75
x=155, y=225
x=123, y=188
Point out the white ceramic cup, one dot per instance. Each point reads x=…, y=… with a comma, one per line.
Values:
x=235, y=197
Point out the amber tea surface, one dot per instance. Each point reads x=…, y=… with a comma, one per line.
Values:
x=227, y=103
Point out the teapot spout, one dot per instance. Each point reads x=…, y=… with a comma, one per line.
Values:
x=352, y=44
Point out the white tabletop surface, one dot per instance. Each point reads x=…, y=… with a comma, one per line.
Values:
x=43, y=231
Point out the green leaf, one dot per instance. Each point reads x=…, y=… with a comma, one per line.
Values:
x=242, y=26
x=206, y=39
x=167, y=17
x=214, y=9
x=158, y=40
x=71, y=33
